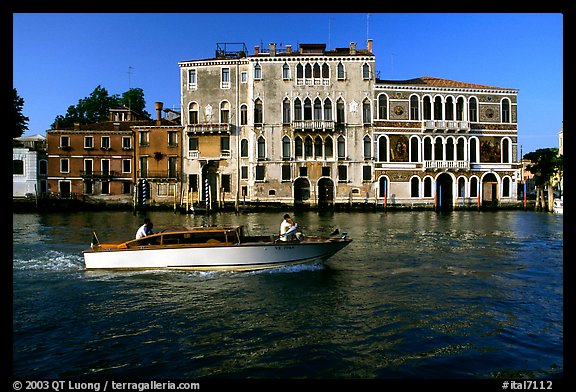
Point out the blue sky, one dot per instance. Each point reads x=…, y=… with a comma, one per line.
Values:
x=61, y=58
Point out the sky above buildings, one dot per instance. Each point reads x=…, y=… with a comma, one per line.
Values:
x=59, y=59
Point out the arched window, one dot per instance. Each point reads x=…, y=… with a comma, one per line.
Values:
x=286, y=111
x=415, y=187
x=317, y=147
x=341, y=147
x=505, y=150
x=505, y=110
x=298, y=150
x=427, y=149
x=257, y=71
x=460, y=150
x=506, y=187
x=428, y=187
x=243, y=114
x=473, y=109
x=299, y=71
x=258, y=111
x=317, y=109
x=461, y=186
x=325, y=71
x=307, y=109
x=473, y=147
x=414, y=115
x=427, y=108
x=327, y=110
x=473, y=189
x=438, y=108
x=244, y=148
x=308, y=147
x=224, y=112
x=366, y=112
x=308, y=71
x=460, y=109
x=340, y=112
x=297, y=109
x=328, y=147
x=261, y=148
x=450, y=149
x=382, y=107
x=438, y=149
x=449, y=108
x=340, y=71
x=193, y=113
x=316, y=71
x=414, y=149
x=365, y=71
x=382, y=149
x=286, y=147
x=367, y=147
x=285, y=71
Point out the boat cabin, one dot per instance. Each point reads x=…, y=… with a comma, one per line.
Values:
x=208, y=236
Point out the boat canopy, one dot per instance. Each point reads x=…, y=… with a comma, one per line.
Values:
x=191, y=236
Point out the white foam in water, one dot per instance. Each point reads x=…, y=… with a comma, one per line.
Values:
x=51, y=260
x=315, y=266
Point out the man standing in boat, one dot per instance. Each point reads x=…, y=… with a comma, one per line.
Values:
x=145, y=229
x=287, y=228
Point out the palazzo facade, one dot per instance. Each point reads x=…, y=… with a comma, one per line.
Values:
x=315, y=127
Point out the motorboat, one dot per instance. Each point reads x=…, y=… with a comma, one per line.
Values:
x=212, y=248
x=558, y=206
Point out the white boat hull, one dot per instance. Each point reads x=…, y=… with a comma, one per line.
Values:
x=235, y=257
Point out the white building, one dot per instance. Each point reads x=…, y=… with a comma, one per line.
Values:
x=29, y=166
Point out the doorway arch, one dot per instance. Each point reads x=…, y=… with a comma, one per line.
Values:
x=325, y=192
x=444, y=192
x=209, y=185
x=301, y=191
x=489, y=190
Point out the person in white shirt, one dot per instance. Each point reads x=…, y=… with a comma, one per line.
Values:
x=285, y=226
x=145, y=229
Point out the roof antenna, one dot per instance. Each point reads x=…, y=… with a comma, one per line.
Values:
x=367, y=28
x=130, y=68
x=329, y=24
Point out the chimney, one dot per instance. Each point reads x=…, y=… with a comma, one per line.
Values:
x=352, y=48
x=256, y=50
x=272, y=47
x=288, y=48
x=158, y=106
x=77, y=126
x=370, y=45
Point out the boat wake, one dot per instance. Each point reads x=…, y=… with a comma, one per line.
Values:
x=51, y=260
x=313, y=266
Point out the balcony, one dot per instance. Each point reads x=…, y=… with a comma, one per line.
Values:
x=442, y=125
x=151, y=174
x=320, y=125
x=99, y=174
x=208, y=128
x=447, y=165
x=195, y=154
x=312, y=82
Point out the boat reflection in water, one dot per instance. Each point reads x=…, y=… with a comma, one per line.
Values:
x=211, y=248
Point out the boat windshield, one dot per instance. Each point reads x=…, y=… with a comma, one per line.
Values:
x=209, y=237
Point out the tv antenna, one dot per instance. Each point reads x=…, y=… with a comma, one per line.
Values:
x=130, y=68
x=367, y=28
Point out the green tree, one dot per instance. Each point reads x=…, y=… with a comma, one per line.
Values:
x=546, y=164
x=134, y=99
x=95, y=108
x=20, y=120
